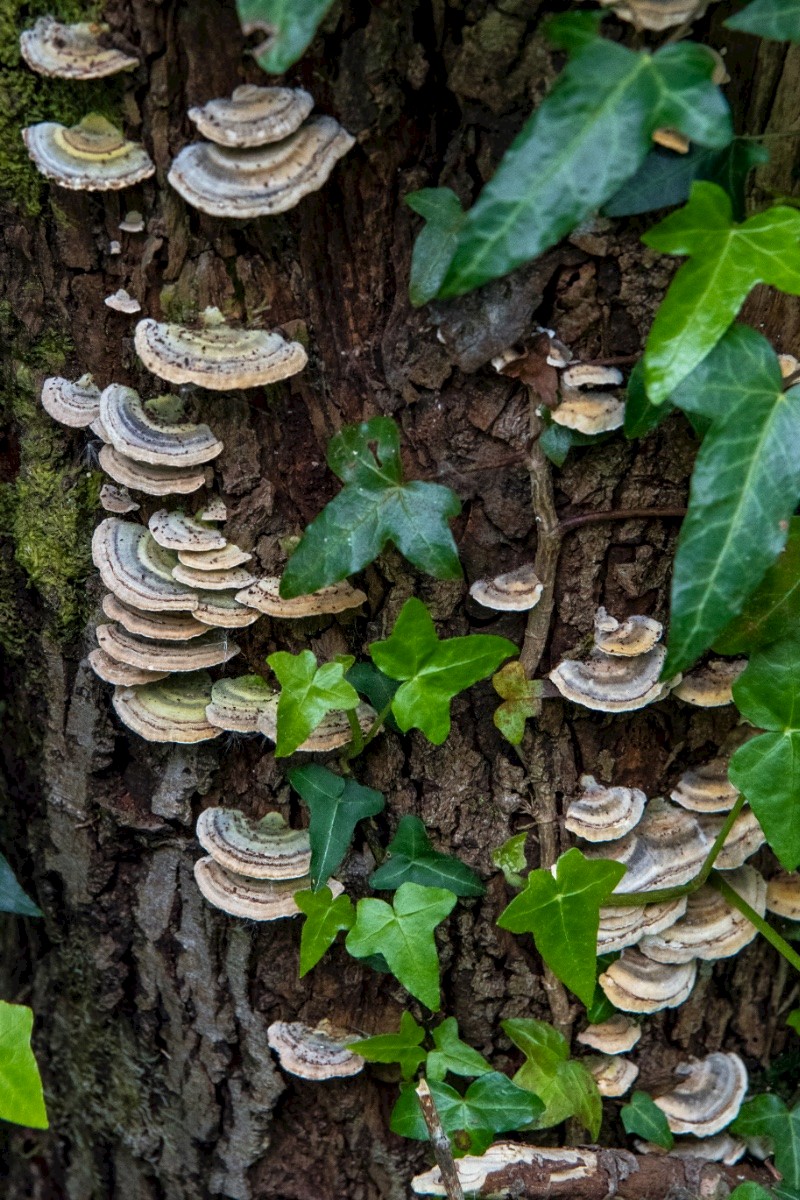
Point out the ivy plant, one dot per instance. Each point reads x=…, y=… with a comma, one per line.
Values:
x=21, y=1097
x=492, y=1104
x=308, y=693
x=288, y=27
x=411, y=857
x=336, y=805
x=643, y=1117
x=565, y=1086
x=326, y=916
x=769, y=1117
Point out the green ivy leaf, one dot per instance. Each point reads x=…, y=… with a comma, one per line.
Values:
x=767, y=768
x=775, y=19
x=289, y=26
x=377, y=687
x=793, y=1020
x=565, y=1087
x=336, y=806
x=433, y=671
x=325, y=917
x=510, y=859
x=749, y=1191
x=12, y=897
x=490, y=1105
x=403, y=933
x=772, y=608
x=572, y=31
x=768, y=1116
x=410, y=857
x=374, y=507
x=563, y=914
x=601, y=1009
x=641, y=415
x=453, y=1055
x=726, y=261
x=436, y=243
x=745, y=486
x=308, y=694
x=21, y=1097
x=403, y=1047
x=522, y=700
x=586, y=138
x=644, y=1117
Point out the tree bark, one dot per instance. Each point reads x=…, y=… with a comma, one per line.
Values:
x=152, y=1007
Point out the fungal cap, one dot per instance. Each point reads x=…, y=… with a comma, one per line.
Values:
x=783, y=895
x=588, y=375
x=162, y=626
x=145, y=433
x=237, y=704
x=590, y=412
x=635, y=983
x=515, y=591
x=265, y=849
x=115, y=552
x=625, y=639
x=253, y=116
x=172, y=710
x=710, y=686
x=721, y=1147
x=228, y=579
x=617, y=1035
x=262, y=181
x=671, y=139
x=608, y=684
x=602, y=814
x=710, y=928
x=312, y=1053
x=222, y=609
x=657, y=15
x=217, y=356
x=175, y=530
x=92, y=156
x=215, y=510
x=709, y=1096
x=116, y=499
x=254, y=899
x=788, y=364
x=150, y=478
x=74, y=404
x=71, y=51
x=746, y=836
x=133, y=222
x=332, y=732
x=122, y=302
x=706, y=789
x=210, y=650
x=112, y=671
x=613, y=1075
x=666, y=849
x=625, y=925
x=264, y=595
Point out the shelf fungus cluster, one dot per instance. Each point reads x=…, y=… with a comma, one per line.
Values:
x=515, y=591
x=587, y=405
x=315, y=1052
x=92, y=156
x=81, y=51
x=623, y=671
x=264, y=153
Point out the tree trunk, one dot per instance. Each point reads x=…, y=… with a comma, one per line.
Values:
x=151, y=1006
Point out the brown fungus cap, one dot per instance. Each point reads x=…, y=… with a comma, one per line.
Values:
x=617, y=1035
x=215, y=355
x=236, y=704
x=116, y=549
x=172, y=710
x=589, y=412
x=744, y=839
x=710, y=686
x=608, y=684
x=253, y=116
x=92, y=156
x=214, y=560
x=264, y=595
x=264, y=849
x=253, y=899
x=313, y=1053
x=613, y=1075
x=117, y=499
x=783, y=895
x=657, y=15
x=621, y=926
x=210, y=650
x=149, y=478
x=74, y=404
x=515, y=591
x=122, y=301
x=112, y=671
x=133, y=222
x=666, y=849
x=635, y=983
x=162, y=626
x=223, y=610
x=581, y=375
x=603, y=814
x=228, y=580
x=708, y=1097
x=262, y=181
x=148, y=433
x=332, y=732
x=721, y=1147
x=706, y=789
x=72, y=51
x=710, y=928
x=625, y=639
x=175, y=530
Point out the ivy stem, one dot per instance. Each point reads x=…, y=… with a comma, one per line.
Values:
x=733, y=898
x=357, y=740
x=548, y=544
x=440, y=1142
x=618, y=514
x=362, y=740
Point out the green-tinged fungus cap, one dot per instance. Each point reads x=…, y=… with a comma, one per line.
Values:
x=236, y=704
x=263, y=849
x=116, y=547
x=173, y=710
x=92, y=156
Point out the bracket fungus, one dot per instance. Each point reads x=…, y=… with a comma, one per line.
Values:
x=515, y=591
x=149, y=654
x=264, y=849
x=92, y=156
x=214, y=560
x=227, y=580
x=709, y=1096
x=261, y=181
x=621, y=925
x=720, y=1147
x=133, y=222
x=264, y=595
x=613, y=1075
x=657, y=15
x=253, y=116
x=710, y=928
x=222, y=608
x=313, y=1052
x=607, y=683
x=74, y=404
x=617, y=1035
x=625, y=639
x=254, y=899
x=150, y=478
x=116, y=549
x=666, y=849
x=783, y=895
x=215, y=510
x=584, y=409
x=236, y=704
x=603, y=814
x=116, y=499
x=111, y=671
x=148, y=433
x=332, y=732
x=710, y=686
x=72, y=51
x=122, y=301
x=746, y=836
x=706, y=789
x=635, y=983
x=175, y=530
x=216, y=355
x=163, y=626
x=172, y=710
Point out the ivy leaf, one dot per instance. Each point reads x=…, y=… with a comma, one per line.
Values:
x=522, y=700
x=433, y=671
x=745, y=486
x=768, y=1116
x=726, y=261
x=641, y=415
x=436, y=243
x=767, y=768
x=563, y=914
x=793, y=1020
x=749, y=1191
x=336, y=806
x=775, y=19
x=289, y=26
x=772, y=608
x=374, y=507
x=565, y=1087
x=325, y=917
x=12, y=897
x=643, y=1116
x=573, y=30
x=490, y=1105
x=601, y=1009
x=21, y=1098
x=308, y=694
x=403, y=1047
x=586, y=138
x=403, y=933
x=410, y=857
x=376, y=686
x=453, y=1055
x=510, y=859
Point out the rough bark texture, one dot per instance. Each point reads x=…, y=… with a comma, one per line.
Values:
x=152, y=1008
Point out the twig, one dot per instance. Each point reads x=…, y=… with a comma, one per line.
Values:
x=442, y=1150
x=548, y=544
x=719, y=882
x=618, y=514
